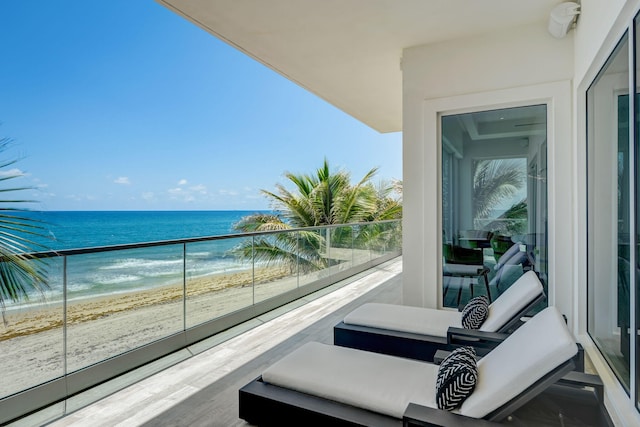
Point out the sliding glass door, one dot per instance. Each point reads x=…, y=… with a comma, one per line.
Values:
x=612, y=259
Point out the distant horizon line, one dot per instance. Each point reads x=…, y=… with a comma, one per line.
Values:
x=143, y=210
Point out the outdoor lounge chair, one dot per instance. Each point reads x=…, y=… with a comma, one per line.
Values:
x=417, y=333
x=319, y=384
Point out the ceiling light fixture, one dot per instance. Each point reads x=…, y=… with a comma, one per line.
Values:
x=562, y=18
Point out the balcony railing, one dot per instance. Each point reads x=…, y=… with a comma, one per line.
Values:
x=112, y=309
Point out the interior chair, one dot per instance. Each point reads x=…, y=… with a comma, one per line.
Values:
x=475, y=239
x=467, y=265
x=319, y=384
x=418, y=332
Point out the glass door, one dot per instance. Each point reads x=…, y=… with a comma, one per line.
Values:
x=494, y=200
x=611, y=262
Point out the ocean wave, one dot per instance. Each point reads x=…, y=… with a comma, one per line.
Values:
x=203, y=254
x=128, y=263
x=116, y=279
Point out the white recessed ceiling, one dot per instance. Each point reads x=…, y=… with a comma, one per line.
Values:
x=348, y=51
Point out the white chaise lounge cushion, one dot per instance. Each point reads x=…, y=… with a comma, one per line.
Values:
x=377, y=382
x=533, y=350
x=387, y=384
x=430, y=321
x=517, y=296
x=417, y=320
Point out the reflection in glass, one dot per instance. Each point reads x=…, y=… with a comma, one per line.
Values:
x=494, y=200
x=609, y=203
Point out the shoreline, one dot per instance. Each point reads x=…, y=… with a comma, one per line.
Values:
x=45, y=316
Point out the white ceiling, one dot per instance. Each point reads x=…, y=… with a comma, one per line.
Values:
x=348, y=52
x=510, y=123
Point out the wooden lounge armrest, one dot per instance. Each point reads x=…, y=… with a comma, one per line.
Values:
x=474, y=338
x=418, y=416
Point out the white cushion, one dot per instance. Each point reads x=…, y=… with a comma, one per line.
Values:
x=520, y=294
x=529, y=353
x=417, y=320
x=429, y=321
x=377, y=382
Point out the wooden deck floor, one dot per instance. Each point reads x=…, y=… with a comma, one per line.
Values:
x=203, y=390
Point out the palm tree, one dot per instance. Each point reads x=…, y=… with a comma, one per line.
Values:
x=21, y=274
x=493, y=182
x=323, y=198
x=512, y=221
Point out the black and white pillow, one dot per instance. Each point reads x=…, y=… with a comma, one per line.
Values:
x=475, y=312
x=457, y=378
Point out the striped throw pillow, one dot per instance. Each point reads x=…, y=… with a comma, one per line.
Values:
x=457, y=378
x=475, y=312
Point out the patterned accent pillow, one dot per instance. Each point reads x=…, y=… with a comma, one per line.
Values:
x=457, y=378
x=475, y=312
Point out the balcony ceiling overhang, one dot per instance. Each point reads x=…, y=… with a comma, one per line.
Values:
x=348, y=52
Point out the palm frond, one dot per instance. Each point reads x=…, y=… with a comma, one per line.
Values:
x=21, y=273
x=493, y=182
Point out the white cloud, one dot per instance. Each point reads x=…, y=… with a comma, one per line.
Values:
x=199, y=189
x=12, y=172
x=194, y=193
x=81, y=197
x=182, y=182
x=124, y=180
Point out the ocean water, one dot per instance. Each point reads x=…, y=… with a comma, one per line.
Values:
x=105, y=273
x=82, y=229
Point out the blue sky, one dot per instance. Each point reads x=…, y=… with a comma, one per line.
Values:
x=124, y=105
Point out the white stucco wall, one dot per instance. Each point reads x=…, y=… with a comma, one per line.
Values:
x=485, y=66
x=593, y=33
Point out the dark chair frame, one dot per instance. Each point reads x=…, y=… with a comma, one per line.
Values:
x=265, y=404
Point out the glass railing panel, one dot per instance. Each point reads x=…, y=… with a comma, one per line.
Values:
x=276, y=264
x=339, y=252
x=383, y=238
x=32, y=339
x=219, y=278
x=121, y=300
x=394, y=233
x=361, y=245
x=312, y=255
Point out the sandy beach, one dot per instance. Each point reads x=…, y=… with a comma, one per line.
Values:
x=49, y=316
x=102, y=327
